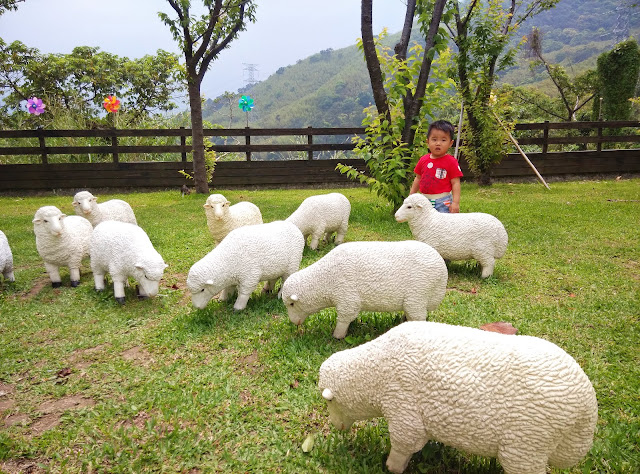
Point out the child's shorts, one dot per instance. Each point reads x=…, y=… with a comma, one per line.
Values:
x=442, y=204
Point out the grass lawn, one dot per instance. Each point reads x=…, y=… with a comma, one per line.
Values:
x=87, y=385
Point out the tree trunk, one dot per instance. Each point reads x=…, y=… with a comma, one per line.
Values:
x=199, y=168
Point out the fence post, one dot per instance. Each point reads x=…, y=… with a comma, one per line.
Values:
x=183, y=144
x=43, y=155
x=545, y=144
x=310, y=142
x=114, y=145
x=599, y=146
x=247, y=141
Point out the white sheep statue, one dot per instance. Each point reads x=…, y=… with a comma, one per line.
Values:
x=222, y=217
x=521, y=399
x=124, y=250
x=407, y=276
x=320, y=216
x=62, y=241
x=244, y=258
x=6, y=258
x=86, y=205
x=460, y=236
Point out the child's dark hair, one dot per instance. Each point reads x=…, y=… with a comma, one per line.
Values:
x=443, y=126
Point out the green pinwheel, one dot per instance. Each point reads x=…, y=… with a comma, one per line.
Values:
x=245, y=103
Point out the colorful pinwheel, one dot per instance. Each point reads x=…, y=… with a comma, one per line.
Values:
x=245, y=103
x=111, y=103
x=35, y=106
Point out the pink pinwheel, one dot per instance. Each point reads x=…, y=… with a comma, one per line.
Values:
x=111, y=103
x=35, y=106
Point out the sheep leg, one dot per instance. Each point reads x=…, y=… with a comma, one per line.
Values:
x=487, y=265
x=347, y=312
x=142, y=294
x=415, y=312
x=269, y=286
x=245, y=289
x=98, y=279
x=342, y=231
x=54, y=274
x=118, y=289
x=74, y=274
x=315, y=238
x=397, y=461
x=407, y=436
x=520, y=460
x=226, y=293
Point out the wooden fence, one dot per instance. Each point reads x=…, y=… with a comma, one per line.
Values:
x=594, y=141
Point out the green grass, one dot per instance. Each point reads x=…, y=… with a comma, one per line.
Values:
x=174, y=389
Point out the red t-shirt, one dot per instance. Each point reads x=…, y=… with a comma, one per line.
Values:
x=436, y=174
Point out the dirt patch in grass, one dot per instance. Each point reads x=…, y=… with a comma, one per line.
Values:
x=249, y=363
x=83, y=358
x=53, y=409
x=138, y=355
x=37, y=287
x=73, y=402
x=634, y=269
x=22, y=466
x=139, y=421
x=6, y=397
x=17, y=419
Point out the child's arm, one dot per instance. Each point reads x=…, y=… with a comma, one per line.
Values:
x=455, y=195
x=416, y=185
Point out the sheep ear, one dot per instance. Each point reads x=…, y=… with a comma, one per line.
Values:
x=37, y=221
x=209, y=282
x=62, y=216
x=139, y=266
x=75, y=203
x=165, y=265
x=208, y=206
x=228, y=202
x=327, y=394
x=294, y=298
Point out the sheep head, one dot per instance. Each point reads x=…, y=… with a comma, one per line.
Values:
x=49, y=218
x=85, y=201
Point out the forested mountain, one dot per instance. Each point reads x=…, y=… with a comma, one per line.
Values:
x=332, y=87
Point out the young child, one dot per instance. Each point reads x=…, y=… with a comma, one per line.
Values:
x=438, y=173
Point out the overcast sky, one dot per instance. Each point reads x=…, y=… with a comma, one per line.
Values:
x=285, y=31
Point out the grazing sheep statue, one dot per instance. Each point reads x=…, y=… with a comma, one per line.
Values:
x=124, y=250
x=6, y=258
x=244, y=258
x=62, y=241
x=518, y=398
x=473, y=235
x=322, y=215
x=222, y=218
x=407, y=276
x=86, y=205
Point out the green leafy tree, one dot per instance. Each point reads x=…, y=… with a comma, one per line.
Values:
x=80, y=81
x=482, y=31
x=9, y=5
x=395, y=128
x=617, y=80
x=201, y=39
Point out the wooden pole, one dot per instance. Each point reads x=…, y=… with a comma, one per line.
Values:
x=521, y=152
x=455, y=153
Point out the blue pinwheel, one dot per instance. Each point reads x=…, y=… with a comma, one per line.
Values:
x=245, y=103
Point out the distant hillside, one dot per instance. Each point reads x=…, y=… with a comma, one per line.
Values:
x=330, y=88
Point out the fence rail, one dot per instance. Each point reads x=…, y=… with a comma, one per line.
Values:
x=117, y=173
